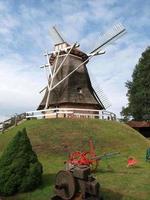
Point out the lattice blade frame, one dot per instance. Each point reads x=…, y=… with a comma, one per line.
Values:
x=110, y=36
x=56, y=36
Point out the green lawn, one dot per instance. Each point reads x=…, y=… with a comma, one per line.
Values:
x=50, y=138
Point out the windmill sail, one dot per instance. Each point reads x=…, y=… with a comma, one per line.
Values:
x=99, y=93
x=113, y=34
x=56, y=36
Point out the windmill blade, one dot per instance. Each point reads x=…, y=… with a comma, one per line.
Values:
x=51, y=80
x=101, y=96
x=56, y=36
x=98, y=92
x=43, y=89
x=113, y=34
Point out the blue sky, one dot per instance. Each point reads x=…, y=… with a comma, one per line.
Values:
x=24, y=37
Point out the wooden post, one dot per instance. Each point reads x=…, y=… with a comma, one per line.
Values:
x=16, y=119
x=3, y=127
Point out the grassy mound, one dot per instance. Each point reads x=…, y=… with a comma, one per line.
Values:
x=51, y=138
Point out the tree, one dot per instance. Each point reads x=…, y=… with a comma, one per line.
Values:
x=20, y=170
x=139, y=90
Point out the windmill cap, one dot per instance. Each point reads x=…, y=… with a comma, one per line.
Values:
x=62, y=51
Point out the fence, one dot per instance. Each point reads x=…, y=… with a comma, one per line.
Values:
x=57, y=113
x=13, y=121
x=71, y=113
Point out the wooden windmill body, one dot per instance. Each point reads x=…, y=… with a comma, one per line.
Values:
x=69, y=84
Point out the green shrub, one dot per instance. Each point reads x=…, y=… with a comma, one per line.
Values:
x=20, y=170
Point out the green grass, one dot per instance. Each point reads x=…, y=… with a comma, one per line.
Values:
x=51, y=137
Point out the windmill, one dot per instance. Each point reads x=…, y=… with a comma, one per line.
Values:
x=68, y=81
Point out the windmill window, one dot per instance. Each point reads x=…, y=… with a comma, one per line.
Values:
x=79, y=90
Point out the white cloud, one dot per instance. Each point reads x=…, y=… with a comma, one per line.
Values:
x=20, y=84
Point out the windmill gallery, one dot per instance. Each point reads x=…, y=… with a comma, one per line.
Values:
x=69, y=91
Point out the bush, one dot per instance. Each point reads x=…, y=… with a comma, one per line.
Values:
x=20, y=170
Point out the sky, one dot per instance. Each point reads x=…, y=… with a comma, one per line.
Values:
x=24, y=38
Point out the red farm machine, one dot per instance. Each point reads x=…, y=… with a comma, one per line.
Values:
x=77, y=182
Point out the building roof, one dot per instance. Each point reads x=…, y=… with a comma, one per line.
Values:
x=139, y=124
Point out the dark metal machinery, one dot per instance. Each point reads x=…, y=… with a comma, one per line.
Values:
x=77, y=180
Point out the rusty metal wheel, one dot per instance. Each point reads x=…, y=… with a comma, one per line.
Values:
x=65, y=185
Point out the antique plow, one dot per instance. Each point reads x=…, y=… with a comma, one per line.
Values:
x=77, y=182
x=88, y=158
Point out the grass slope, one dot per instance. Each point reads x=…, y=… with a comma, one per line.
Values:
x=50, y=138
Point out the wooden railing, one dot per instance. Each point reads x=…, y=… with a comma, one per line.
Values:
x=57, y=113
x=13, y=121
x=71, y=113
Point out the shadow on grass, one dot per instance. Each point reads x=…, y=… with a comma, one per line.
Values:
x=47, y=180
x=105, y=171
x=130, y=170
x=111, y=195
